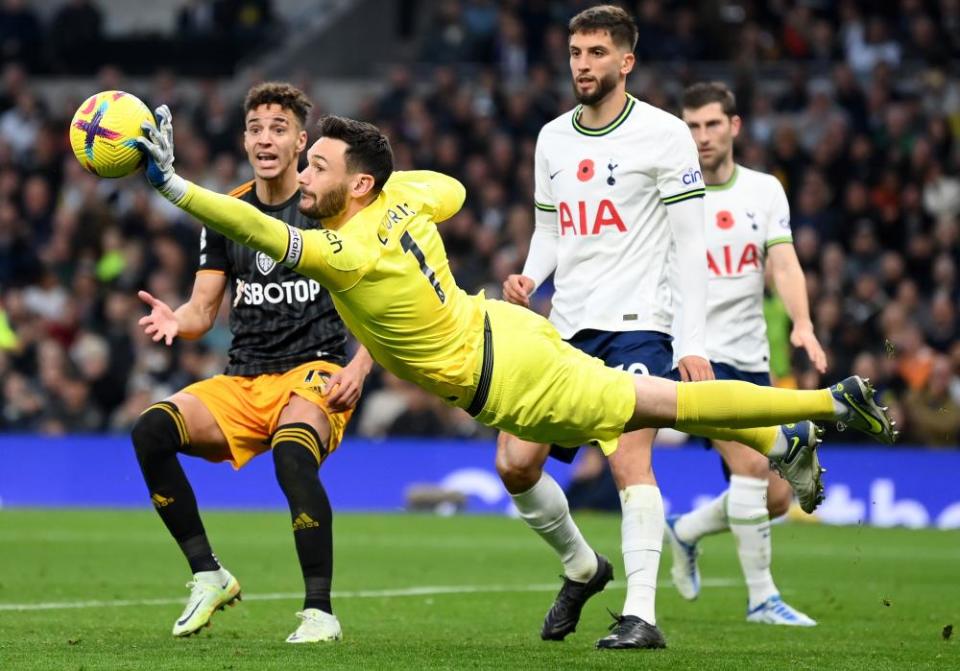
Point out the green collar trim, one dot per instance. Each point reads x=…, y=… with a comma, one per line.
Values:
x=729, y=183
x=610, y=127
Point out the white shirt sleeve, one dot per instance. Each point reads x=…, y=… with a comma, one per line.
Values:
x=542, y=256
x=686, y=220
x=680, y=182
x=678, y=171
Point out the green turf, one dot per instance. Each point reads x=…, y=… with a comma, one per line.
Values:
x=883, y=597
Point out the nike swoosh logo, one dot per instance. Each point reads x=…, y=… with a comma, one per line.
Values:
x=556, y=173
x=184, y=620
x=224, y=585
x=875, y=426
x=792, y=454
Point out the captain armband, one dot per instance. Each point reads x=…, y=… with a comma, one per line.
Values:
x=294, y=247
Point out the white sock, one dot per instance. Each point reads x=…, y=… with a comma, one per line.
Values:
x=780, y=446
x=840, y=409
x=703, y=521
x=545, y=509
x=642, y=539
x=221, y=575
x=750, y=524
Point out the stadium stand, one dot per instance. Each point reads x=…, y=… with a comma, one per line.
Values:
x=854, y=106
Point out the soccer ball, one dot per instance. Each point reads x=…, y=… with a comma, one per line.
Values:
x=103, y=131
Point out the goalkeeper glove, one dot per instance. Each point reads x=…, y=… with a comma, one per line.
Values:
x=157, y=146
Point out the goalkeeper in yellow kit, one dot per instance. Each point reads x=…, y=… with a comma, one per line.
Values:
x=380, y=255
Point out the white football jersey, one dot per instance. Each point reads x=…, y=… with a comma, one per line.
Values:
x=744, y=218
x=609, y=188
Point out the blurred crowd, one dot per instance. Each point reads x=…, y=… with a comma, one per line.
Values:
x=860, y=127
x=70, y=38
x=517, y=34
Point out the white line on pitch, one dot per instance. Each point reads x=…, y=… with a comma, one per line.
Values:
x=426, y=590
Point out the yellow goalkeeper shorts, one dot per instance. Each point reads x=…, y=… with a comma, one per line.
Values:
x=547, y=391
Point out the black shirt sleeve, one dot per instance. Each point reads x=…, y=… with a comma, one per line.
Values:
x=213, y=250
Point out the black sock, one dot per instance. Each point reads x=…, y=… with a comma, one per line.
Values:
x=297, y=453
x=157, y=437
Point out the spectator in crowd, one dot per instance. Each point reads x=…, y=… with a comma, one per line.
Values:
x=932, y=415
x=861, y=131
x=196, y=20
x=868, y=42
x=75, y=35
x=20, y=124
x=21, y=34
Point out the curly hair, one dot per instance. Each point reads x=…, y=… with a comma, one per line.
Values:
x=288, y=96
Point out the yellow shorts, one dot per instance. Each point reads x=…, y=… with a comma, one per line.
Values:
x=545, y=390
x=247, y=409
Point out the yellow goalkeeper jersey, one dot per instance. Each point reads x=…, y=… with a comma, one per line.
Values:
x=387, y=271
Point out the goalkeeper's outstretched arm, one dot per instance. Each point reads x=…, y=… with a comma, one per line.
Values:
x=236, y=219
x=244, y=223
x=239, y=221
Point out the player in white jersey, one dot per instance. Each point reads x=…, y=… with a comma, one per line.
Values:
x=747, y=231
x=619, y=203
x=616, y=182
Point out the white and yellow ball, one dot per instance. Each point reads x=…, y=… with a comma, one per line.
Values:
x=103, y=131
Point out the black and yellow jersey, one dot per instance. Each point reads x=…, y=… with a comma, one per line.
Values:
x=279, y=318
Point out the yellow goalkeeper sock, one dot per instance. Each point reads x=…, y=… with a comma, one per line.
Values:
x=702, y=407
x=762, y=439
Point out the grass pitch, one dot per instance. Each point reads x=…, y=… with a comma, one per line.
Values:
x=100, y=590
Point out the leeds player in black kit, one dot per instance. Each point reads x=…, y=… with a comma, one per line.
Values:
x=284, y=389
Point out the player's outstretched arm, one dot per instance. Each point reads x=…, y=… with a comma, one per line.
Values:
x=236, y=219
x=161, y=323
x=192, y=319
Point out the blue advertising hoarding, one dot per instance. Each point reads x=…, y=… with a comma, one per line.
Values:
x=882, y=487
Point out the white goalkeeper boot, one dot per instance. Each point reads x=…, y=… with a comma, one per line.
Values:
x=316, y=627
x=209, y=591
